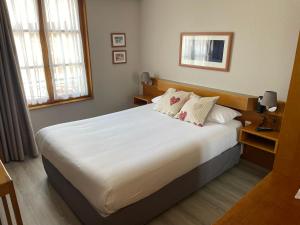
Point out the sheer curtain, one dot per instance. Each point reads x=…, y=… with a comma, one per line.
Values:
x=25, y=25
x=65, y=48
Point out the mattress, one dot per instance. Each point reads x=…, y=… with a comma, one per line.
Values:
x=118, y=159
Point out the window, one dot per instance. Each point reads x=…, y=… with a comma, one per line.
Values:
x=52, y=47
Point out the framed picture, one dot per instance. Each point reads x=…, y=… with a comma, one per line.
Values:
x=119, y=57
x=118, y=40
x=211, y=51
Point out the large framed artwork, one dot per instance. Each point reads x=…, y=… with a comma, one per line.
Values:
x=206, y=50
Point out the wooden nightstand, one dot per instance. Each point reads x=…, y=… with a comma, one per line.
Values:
x=142, y=100
x=262, y=140
x=260, y=147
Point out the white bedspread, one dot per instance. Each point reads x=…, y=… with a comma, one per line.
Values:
x=121, y=158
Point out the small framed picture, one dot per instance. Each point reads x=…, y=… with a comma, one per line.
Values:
x=119, y=57
x=118, y=40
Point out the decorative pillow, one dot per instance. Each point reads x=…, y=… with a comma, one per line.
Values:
x=171, y=102
x=196, y=109
x=222, y=114
x=156, y=99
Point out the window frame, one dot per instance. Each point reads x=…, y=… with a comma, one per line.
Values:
x=45, y=52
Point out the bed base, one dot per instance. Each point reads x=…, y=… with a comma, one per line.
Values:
x=146, y=209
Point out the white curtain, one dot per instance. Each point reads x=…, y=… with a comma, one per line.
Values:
x=25, y=25
x=65, y=48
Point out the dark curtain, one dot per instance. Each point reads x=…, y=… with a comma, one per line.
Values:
x=16, y=134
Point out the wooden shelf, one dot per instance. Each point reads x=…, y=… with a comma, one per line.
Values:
x=272, y=135
x=269, y=147
x=263, y=140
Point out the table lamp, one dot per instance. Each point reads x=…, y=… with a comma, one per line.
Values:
x=145, y=78
x=270, y=101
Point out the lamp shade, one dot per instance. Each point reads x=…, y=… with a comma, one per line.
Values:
x=145, y=78
x=270, y=99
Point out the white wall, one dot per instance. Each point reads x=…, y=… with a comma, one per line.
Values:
x=114, y=85
x=265, y=40
x=264, y=47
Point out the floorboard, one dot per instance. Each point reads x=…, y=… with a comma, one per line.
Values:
x=41, y=205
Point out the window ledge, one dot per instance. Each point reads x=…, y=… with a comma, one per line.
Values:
x=60, y=102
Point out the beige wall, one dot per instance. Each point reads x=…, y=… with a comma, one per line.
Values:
x=114, y=85
x=264, y=44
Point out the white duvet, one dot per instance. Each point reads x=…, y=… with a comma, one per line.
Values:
x=121, y=158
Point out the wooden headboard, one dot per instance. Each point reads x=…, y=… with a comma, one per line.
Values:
x=230, y=99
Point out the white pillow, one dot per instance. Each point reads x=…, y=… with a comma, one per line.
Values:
x=171, y=102
x=222, y=114
x=196, y=109
x=156, y=99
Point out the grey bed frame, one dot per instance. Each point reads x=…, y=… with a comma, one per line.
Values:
x=146, y=209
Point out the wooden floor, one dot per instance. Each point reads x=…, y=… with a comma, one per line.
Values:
x=41, y=205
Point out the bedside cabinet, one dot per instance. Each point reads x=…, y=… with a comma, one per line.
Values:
x=259, y=146
x=140, y=100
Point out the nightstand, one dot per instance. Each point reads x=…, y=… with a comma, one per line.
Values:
x=262, y=140
x=142, y=100
x=260, y=147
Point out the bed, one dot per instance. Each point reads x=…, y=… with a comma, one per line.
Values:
x=128, y=167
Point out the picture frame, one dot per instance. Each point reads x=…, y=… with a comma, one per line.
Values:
x=118, y=40
x=119, y=56
x=206, y=50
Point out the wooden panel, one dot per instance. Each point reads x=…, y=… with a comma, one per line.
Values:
x=45, y=51
x=4, y=176
x=86, y=44
x=60, y=102
x=151, y=90
x=259, y=157
x=288, y=159
x=271, y=202
x=229, y=99
x=142, y=100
